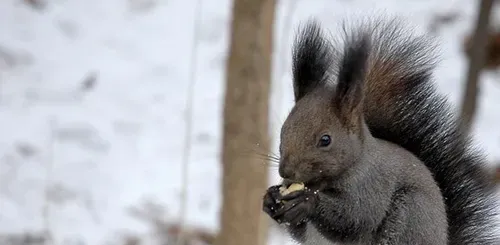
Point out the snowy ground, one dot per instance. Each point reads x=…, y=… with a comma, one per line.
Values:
x=74, y=160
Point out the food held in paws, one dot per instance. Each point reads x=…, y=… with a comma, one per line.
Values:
x=293, y=187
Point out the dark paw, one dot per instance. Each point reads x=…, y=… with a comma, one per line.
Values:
x=293, y=209
x=272, y=200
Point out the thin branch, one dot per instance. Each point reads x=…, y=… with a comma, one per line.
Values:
x=476, y=62
x=189, y=124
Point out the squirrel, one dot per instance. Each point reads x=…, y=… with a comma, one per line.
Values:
x=381, y=155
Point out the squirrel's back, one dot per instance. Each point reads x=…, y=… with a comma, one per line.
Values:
x=402, y=106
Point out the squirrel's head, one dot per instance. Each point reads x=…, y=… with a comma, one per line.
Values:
x=324, y=133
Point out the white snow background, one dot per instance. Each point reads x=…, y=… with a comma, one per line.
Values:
x=74, y=160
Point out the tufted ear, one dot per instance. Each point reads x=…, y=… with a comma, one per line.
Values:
x=313, y=58
x=348, y=96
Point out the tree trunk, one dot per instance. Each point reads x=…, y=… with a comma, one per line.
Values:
x=246, y=123
x=476, y=62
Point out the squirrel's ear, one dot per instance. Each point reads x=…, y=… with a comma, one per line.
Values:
x=312, y=58
x=348, y=97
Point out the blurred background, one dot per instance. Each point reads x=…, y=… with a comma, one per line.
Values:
x=127, y=122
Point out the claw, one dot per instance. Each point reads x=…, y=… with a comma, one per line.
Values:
x=292, y=209
x=287, y=207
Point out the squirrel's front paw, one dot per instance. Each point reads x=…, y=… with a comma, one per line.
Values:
x=294, y=208
x=272, y=200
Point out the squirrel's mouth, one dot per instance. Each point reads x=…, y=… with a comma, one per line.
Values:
x=315, y=184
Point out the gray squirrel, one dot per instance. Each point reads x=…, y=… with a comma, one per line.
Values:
x=382, y=157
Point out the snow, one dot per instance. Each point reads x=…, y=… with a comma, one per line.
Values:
x=97, y=153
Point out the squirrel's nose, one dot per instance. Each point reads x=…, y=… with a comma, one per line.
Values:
x=285, y=171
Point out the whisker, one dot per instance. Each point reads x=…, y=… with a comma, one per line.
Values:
x=268, y=158
x=268, y=161
x=273, y=154
x=265, y=157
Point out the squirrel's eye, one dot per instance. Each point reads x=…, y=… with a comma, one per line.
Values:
x=324, y=141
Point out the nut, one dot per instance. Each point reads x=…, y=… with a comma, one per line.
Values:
x=292, y=188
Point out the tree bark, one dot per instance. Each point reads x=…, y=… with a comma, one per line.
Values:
x=246, y=123
x=476, y=62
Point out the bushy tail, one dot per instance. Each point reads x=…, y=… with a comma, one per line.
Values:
x=403, y=106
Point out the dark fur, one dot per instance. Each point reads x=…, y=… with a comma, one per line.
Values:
x=312, y=65
x=371, y=191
